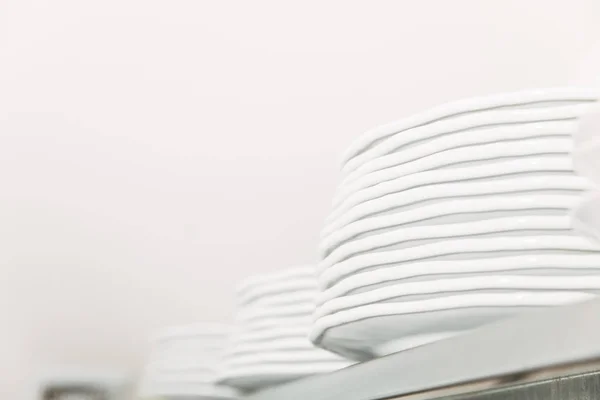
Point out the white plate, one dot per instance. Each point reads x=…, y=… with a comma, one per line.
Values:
x=297, y=343
x=470, y=248
x=392, y=203
x=199, y=390
x=281, y=298
x=181, y=374
x=413, y=236
x=199, y=341
x=539, y=265
x=276, y=288
x=184, y=356
x=284, y=311
x=312, y=356
x=473, y=156
x=451, y=142
x=270, y=323
x=188, y=348
x=535, y=164
x=458, y=210
x=412, y=291
x=280, y=327
x=260, y=376
x=379, y=329
x=465, y=123
x=530, y=98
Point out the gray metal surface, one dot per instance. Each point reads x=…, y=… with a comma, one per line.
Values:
x=532, y=347
x=577, y=387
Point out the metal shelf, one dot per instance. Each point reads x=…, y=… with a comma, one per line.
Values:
x=544, y=354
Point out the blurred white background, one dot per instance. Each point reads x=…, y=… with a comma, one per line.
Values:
x=153, y=152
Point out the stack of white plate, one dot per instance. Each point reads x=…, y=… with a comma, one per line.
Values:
x=270, y=344
x=183, y=363
x=454, y=218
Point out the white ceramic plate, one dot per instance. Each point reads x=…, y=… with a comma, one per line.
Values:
x=413, y=236
x=283, y=298
x=528, y=98
x=277, y=333
x=451, y=142
x=465, y=123
x=469, y=248
x=181, y=347
x=269, y=290
x=182, y=373
x=412, y=291
x=471, y=156
x=535, y=164
x=284, y=311
x=297, y=343
x=265, y=375
x=190, y=360
x=295, y=339
x=459, y=210
x=199, y=390
x=197, y=342
x=538, y=265
x=270, y=323
x=187, y=348
x=379, y=329
x=314, y=355
x=380, y=208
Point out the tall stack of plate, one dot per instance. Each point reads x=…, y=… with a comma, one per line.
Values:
x=455, y=218
x=183, y=362
x=270, y=344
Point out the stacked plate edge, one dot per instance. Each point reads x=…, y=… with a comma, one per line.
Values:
x=182, y=363
x=454, y=218
x=270, y=342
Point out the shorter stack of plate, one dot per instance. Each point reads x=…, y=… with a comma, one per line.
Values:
x=455, y=218
x=183, y=362
x=270, y=343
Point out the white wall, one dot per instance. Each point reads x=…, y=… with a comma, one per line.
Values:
x=154, y=151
